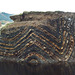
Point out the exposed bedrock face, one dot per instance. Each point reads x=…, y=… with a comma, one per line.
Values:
x=44, y=41
x=38, y=16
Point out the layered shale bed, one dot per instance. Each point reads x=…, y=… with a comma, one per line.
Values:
x=39, y=37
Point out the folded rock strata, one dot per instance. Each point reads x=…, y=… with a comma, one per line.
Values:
x=39, y=37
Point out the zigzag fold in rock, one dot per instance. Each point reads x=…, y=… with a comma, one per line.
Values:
x=34, y=41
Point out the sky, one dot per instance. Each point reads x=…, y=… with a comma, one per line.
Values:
x=19, y=6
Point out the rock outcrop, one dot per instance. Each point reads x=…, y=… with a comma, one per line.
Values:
x=38, y=16
x=39, y=37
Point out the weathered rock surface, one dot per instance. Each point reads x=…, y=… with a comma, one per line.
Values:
x=39, y=38
x=38, y=16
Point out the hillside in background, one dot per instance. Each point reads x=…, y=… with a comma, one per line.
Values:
x=5, y=16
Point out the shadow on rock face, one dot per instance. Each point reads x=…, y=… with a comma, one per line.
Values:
x=61, y=68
